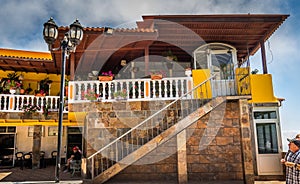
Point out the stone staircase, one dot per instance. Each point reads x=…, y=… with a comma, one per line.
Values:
x=106, y=165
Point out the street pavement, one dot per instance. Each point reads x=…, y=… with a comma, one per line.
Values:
x=16, y=175
x=46, y=176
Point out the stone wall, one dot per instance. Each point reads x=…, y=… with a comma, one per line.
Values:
x=214, y=142
x=214, y=149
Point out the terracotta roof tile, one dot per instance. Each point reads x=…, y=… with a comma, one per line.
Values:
x=101, y=29
x=25, y=54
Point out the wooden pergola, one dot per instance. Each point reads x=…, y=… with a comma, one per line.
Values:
x=154, y=35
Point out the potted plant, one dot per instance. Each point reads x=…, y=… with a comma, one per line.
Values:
x=29, y=109
x=106, y=76
x=44, y=87
x=188, y=72
x=158, y=75
x=90, y=95
x=66, y=86
x=11, y=84
x=170, y=56
x=121, y=94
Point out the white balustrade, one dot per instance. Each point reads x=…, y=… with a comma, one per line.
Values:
x=14, y=103
x=137, y=89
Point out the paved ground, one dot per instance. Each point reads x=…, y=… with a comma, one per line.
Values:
x=46, y=175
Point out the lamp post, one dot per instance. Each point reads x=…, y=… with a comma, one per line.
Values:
x=71, y=39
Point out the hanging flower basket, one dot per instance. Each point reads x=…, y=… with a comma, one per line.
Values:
x=105, y=78
x=156, y=76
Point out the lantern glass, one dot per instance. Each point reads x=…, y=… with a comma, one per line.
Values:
x=76, y=33
x=53, y=32
x=50, y=31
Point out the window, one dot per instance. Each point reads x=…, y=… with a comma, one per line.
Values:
x=267, y=138
x=52, y=131
x=265, y=115
x=220, y=58
x=31, y=130
x=2, y=129
x=74, y=130
x=7, y=129
x=11, y=129
x=222, y=66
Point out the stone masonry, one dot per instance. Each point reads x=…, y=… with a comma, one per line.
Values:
x=218, y=145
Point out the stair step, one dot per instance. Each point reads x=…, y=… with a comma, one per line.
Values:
x=165, y=134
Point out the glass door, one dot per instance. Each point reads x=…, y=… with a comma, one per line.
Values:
x=74, y=139
x=7, y=149
x=221, y=65
x=267, y=140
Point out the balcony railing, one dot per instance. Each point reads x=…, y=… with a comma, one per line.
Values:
x=133, y=89
x=15, y=103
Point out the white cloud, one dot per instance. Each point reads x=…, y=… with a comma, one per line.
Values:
x=24, y=20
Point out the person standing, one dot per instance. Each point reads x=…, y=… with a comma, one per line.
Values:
x=292, y=162
x=286, y=155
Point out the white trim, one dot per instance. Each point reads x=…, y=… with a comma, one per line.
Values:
x=211, y=51
x=267, y=157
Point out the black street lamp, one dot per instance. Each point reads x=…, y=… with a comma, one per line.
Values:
x=71, y=39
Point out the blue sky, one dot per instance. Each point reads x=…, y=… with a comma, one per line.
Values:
x=22, y=23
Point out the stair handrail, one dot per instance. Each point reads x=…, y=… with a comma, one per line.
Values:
x=153, y=115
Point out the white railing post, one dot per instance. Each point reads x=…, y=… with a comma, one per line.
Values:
x=159, y=88
x=11, y=105
x=147, y=89
x=140, y=90
x=109, y=84
x=92, y=170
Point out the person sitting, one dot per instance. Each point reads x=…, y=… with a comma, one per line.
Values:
x=75, y=156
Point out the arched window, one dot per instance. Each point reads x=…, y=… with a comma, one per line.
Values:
x=218, y=57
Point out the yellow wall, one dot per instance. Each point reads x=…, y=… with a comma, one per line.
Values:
x=34, y=78
x=77, y=116
x=262, y=88
x=199, y=76
x=259, y=86
x=242, y=77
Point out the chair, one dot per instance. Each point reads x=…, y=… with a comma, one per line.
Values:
x=42, y=159
x=53, y=157
x=75, y=166
x=27, y=160
x=19, y=159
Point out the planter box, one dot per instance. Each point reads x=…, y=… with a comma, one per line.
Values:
x=156, y=77
x=105, y=78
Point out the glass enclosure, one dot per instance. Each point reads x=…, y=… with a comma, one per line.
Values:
x=267, y=138
x=219, y=58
